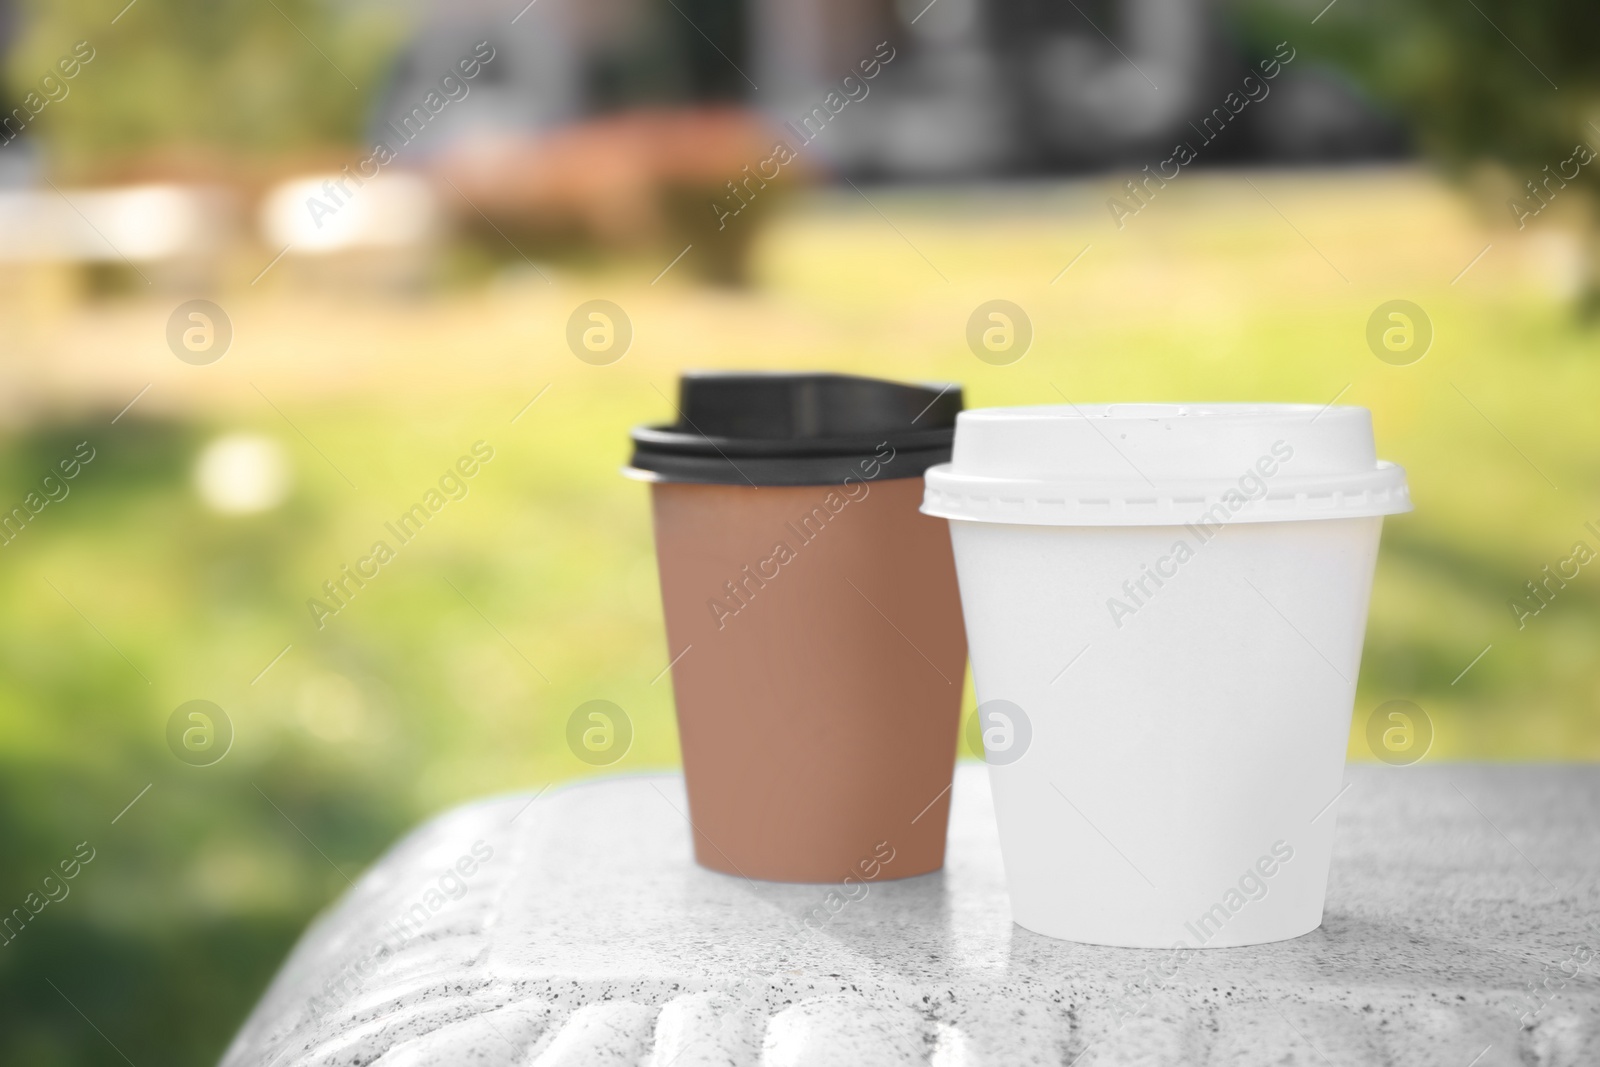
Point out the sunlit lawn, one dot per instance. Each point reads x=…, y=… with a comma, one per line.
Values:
x=452, y=673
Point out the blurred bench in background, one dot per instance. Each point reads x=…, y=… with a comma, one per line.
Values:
x=170, y=235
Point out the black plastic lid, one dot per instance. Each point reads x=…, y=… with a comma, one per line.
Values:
x=744, y=428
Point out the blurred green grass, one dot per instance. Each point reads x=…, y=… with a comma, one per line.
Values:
x=452, y=673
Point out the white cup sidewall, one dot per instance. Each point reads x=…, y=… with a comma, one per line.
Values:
x=1184, y=743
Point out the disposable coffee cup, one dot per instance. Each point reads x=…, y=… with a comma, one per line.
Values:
x=1165, y=606
x=813, y=621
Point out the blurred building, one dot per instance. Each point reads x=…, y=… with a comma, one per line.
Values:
x=974, y=88
x=19, y=157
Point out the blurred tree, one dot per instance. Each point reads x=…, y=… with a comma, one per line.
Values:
x=1494, y=82
x=233, y=78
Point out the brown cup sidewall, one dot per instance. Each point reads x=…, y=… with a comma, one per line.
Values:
x=818, y=707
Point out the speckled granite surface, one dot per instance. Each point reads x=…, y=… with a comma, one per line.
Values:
x=1461, y=929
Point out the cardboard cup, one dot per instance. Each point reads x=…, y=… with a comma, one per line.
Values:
x=1166, y=630
x=813, y=621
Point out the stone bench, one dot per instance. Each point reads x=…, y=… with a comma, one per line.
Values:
x=572, y=928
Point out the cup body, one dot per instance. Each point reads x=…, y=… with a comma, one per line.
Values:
x=1184, y=714
x=819, y=673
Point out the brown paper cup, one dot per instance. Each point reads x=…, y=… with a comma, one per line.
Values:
x=818, y=684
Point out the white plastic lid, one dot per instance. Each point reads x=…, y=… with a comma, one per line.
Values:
x=1163, y=464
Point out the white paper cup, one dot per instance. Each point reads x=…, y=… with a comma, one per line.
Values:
x=1165, y=607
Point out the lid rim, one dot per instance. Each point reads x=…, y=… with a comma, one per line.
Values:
x=761, y=471
x=655, y=477
x=1382, y=490
x=670, y=440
